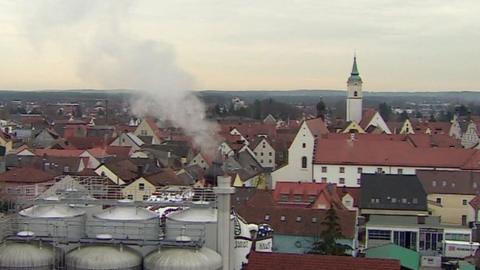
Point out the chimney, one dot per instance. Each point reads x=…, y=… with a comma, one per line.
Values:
x=139, y=170
x=224, y=190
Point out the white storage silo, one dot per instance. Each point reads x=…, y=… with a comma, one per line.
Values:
x=53, y=220
x=103, y=257
x=21, y=256
x=183, y=259
x=125, y=221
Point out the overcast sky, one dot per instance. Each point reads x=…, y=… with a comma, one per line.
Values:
x=246, y=45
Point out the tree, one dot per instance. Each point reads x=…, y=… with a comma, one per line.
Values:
x=418, y=115
x=385, y=111
x=321, y=109
x=432, y=118
x=403, y=116
x=327, y=244
x=462, y=110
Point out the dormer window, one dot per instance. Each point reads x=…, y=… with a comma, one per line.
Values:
x=299, y=219
x=283, y=218
x=267, y=217
x=314, y=220
x=355, y=93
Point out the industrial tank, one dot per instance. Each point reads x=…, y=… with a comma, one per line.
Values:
x=53, y=220
x=183, y=259
x=194, y=222
x=125, y=221
x=104, y=257
x=20, y=256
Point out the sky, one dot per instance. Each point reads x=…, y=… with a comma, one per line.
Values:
x=404, y=45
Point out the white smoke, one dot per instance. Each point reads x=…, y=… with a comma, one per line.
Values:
x=112, y=56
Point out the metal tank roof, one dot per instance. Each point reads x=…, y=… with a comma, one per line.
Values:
x=51, y=211
x=126, y=213
x=200, y=215
x=175, y=259
x=25, y=256
x=103, y=257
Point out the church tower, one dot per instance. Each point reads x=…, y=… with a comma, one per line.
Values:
x=354, y=94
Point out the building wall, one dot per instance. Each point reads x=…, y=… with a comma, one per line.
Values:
x=293, y=171
x=200, y=161
x=134, y=192
x=124, y=140
x=283, y=243
x=452, y=208
x=378, y=122
x=144, y=129
x=351, y=175
x=265, y=154
x=354, y=109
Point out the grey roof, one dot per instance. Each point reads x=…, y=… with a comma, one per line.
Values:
x=392, y=192
x=450, y=182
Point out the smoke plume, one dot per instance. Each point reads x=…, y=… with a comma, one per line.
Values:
x=113, y=57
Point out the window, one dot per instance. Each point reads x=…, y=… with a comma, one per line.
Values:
x=394, y=200
x=255, y=153
x=434, y=183
x=464, y=202
x=261, y=154
x=457, y=237
x=464, y=220
x=359, y=170
x=324, y=169
x=312, y=198
x=404, y=200
x=141, y=186
x=399, y=171
x=145, y=197
x=324, y=179
x=438, y=200
x=284, y=197
x=359, y=182
x=269, y=154
x=261, y=161
x=474, y=184
x=283, y=218
x=130, y=197
x=304, y=162
x=414, y=200
x=314, y=220
x=379, y=234
x=298, y=198
x=267, y=217
x=298, y=219
x=341, y=181
x=304, y=145
x=270, y=161
x=355, y=93
x=342, y=169
x=379, y=170
x=444, y=183
x=405, y=239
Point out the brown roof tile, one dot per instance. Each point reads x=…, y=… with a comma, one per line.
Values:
x=284, y=261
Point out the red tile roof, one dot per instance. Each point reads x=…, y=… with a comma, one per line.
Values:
x=306, y=190
x=367, y=116
x=317, y=127
x=393, y=153
x=26, y=175
x=59, y=152
x=286, y=261
x=261, y=205
x=86, y=142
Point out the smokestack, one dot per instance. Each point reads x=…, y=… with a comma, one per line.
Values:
x=224, y=190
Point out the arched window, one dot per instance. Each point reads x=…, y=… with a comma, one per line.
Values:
x=304, y=162
x=355, y=94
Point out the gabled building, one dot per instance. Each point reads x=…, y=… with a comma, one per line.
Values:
x=264, y=152
x=307, y=195
x=149, y=128
x=128, y=139
x=301, y=153
x=449, y=194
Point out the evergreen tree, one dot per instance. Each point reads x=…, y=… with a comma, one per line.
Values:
x=321, y=109
x=385, y=111
x=327, y=244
